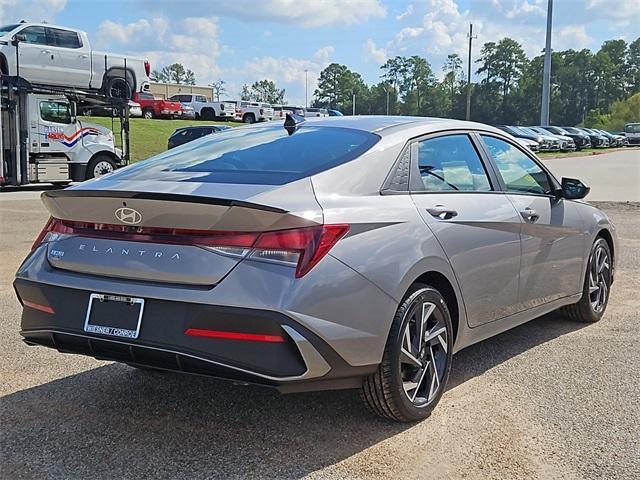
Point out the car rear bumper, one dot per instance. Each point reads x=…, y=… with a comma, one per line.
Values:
x=302, y=361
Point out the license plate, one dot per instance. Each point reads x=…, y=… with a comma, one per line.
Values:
x=114, y=315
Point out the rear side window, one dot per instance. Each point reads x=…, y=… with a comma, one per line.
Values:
x=63, y=38
x=181, y=98
x=451, y=163
x=200, y=98
x=145, y=96
x=260, y=155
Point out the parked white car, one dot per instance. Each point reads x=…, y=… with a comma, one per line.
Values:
x=205, y=109
x=316, y=112
x=135, y=110
x=251, y=112
x=61, y=56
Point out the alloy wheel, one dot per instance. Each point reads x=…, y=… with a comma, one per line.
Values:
x=423, y=354
x=599, y=279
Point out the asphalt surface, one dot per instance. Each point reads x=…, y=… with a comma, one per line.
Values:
x=612, y=176
x=549, y=399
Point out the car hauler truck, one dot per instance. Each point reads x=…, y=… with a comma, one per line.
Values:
x=42, y=140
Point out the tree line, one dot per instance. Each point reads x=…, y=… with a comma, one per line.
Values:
x=584, y=85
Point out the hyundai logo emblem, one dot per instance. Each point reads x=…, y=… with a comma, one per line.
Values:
x=128, y=215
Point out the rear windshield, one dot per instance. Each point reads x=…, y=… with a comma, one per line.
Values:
x=632, y=128
x=259, y=155
x=8, y=28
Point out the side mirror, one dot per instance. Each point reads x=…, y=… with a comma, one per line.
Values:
x=574, y=189
x=17, y=38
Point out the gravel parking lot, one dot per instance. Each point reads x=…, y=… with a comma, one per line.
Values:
x=550, y=399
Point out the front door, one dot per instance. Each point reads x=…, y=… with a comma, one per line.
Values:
x=35, y=56
x=553, y=240
x=477, y=226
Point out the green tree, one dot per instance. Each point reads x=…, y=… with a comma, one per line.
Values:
x=452, y=69
x=336, y=87
x=263, y=91
x=174, y=73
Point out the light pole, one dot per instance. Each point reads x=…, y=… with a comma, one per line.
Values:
x=354, y=103
x=306, y=88
x=471, y=37
x=546, y=74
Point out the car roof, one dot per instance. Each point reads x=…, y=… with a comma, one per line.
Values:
x=385, y=125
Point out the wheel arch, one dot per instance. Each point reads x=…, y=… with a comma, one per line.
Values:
x=114, y=72
x=106, y=153
x=606, y=235
x=441, y=283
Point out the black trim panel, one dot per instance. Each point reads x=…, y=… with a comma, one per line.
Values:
x=172, y=197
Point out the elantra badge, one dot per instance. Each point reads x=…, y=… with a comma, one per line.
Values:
x=128, y=215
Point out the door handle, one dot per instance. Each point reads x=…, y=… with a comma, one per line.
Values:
x=84, y=55
x=46, y=51
x=442, y=212
x=529, y=214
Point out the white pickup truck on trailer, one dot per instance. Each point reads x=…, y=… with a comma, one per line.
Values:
x=206, y=110
x=42, y=140
x=46, y=54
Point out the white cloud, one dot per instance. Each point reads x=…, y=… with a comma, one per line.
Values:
x=30, y=10
x=288, y=73
x=407, y=13
x=372, y=52
x=192, y=41
x=308, y=13
x=571, y=36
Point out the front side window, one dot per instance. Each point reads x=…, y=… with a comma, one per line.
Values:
x=57, y=112
x=451, y=163
x=63, y=38
x=35, y=35
x=519, y=171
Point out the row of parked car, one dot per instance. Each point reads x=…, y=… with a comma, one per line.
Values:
x=564, y=139
x=191, y=107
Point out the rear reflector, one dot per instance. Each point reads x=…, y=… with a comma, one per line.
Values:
x=302, y=247
x=247, y=337
x=37, y=306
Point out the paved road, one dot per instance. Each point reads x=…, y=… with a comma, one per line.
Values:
x=550, y=399
x=613, y=176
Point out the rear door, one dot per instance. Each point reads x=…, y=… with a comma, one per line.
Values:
x=476, y=224
x=552, y=233
x=71, y=59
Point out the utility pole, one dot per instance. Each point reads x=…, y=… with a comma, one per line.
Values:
x=354, y=103
x=470, y=36
x=306, y=88
x=546, y=75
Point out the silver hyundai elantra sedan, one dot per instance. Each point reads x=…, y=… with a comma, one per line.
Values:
x=340, y=252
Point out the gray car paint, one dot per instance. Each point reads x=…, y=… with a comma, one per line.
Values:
x=350, y=297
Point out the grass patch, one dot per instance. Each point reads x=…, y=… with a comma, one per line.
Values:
x=149, y=137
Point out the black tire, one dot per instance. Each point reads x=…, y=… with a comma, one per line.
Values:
x=100, y=165
x=249, y=118
x=208, y=114
x=118, y=87
x=384, y=392
x=147, y=113
x=596, y=288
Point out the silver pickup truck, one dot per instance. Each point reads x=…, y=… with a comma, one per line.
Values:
x=49, y=55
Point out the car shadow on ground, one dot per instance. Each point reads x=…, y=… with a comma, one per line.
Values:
x=118, y=422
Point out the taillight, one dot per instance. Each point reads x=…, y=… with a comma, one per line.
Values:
x=300, y=247
x=303, y=247
x=47, y=228
x=147, y=67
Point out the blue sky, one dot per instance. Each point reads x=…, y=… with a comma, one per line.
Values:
x=242, y=41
